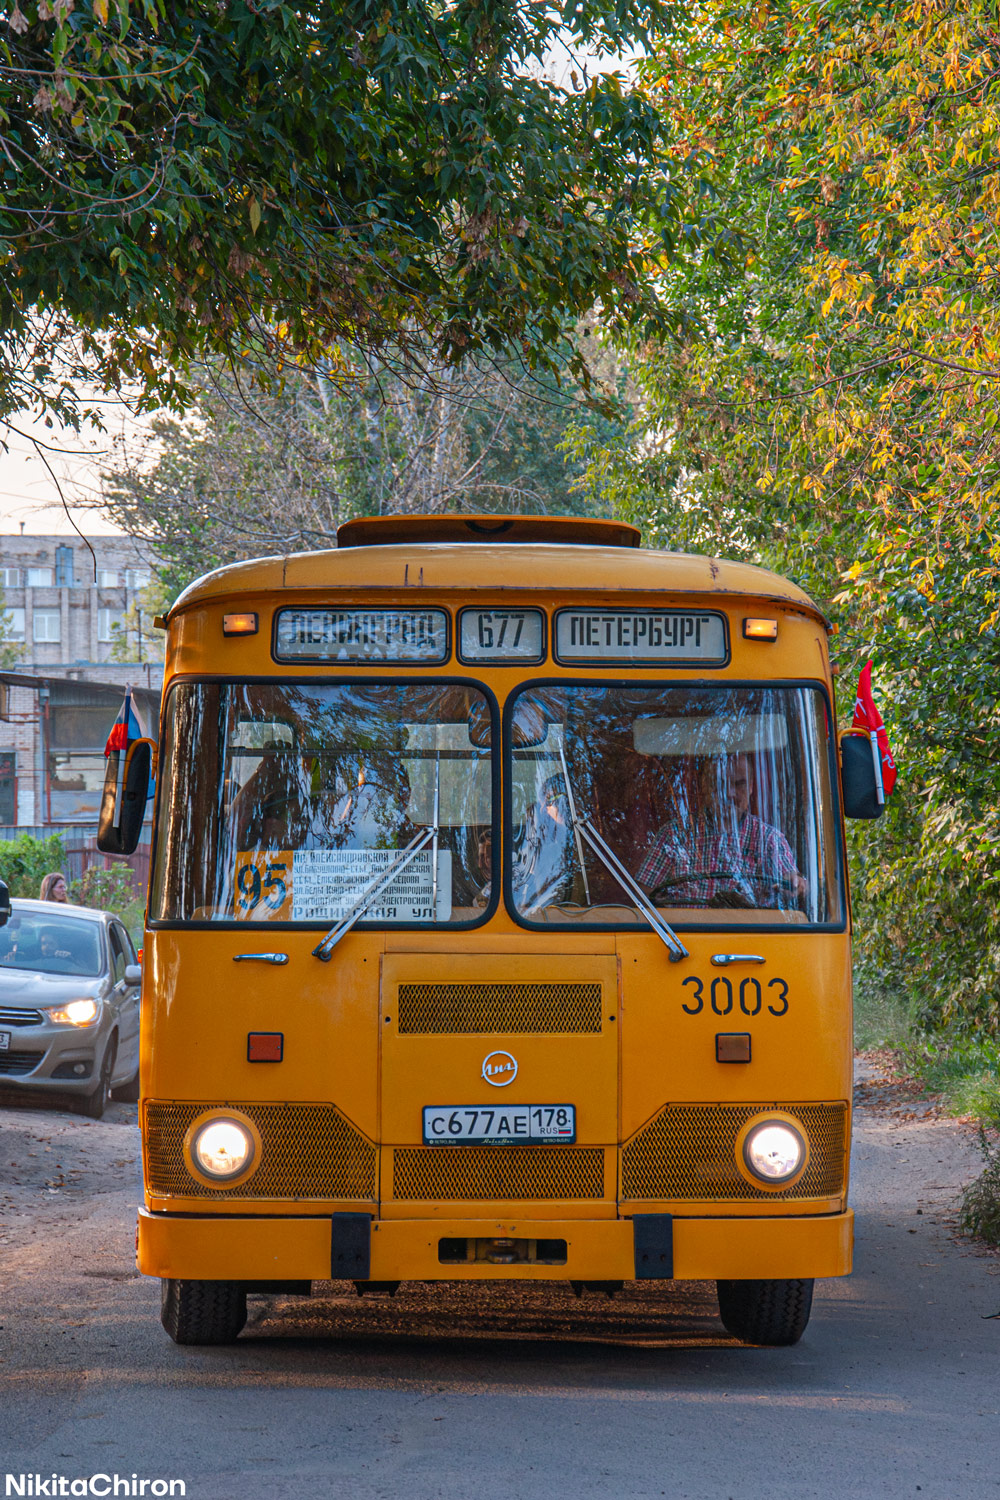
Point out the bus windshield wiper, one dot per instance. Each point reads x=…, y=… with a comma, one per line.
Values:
x=430, y=835
x=585, y=829
x=426, y=836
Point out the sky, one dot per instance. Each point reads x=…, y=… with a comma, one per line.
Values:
x=28, y=492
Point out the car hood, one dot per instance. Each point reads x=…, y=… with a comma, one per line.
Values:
x=28, y=989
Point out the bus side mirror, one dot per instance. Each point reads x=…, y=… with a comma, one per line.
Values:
x=120, y=822
x=857, y=778
x=4, y=903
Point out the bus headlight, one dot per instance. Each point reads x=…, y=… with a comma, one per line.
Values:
x=774, y=1151
x=222, y=1148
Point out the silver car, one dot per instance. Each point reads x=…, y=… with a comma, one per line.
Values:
x=69, y=1006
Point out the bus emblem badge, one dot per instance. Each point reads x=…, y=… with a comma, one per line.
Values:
x=499, y=1069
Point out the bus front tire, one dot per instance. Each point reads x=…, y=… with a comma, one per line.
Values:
x=203, y=1312
x=765, y=1312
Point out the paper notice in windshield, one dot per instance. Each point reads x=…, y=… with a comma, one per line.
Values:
x=642, y=636
x=324, y=885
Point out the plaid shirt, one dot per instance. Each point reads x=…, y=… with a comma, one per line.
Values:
x=751, y=857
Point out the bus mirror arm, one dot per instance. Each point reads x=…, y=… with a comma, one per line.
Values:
x=610, y=860
x=324, y=950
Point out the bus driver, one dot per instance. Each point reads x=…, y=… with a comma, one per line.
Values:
x=728, y=858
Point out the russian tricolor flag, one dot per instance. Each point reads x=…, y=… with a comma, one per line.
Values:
x=126, y=729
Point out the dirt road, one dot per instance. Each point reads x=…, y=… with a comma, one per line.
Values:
x=526, y=1394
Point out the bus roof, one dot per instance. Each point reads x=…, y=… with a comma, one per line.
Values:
x=496, y=566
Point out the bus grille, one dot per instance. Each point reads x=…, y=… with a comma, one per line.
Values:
x=307, y=1151
x=471, y=1009
x=688, y=1152
x=497, y=1172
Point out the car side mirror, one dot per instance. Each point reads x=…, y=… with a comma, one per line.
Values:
x=858, y=780
x=133, y=974
x=123, y=805
x=4, y=903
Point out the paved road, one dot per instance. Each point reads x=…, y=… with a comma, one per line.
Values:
x=894, y=1391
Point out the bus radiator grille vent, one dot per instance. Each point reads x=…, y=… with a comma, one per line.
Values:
x=475, y=1009
x=307, y=1151
x=488, y=1173
x=689, y=1152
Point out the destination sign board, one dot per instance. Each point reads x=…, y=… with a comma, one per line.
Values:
x=361, y=635
x=642, y=637
x=324, y=885
x=499, y=635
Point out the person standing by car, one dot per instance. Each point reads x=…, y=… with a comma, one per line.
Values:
x=54, y=887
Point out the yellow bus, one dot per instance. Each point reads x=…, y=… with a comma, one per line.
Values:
x=498, y=925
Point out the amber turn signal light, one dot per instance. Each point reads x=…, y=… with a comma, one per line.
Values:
x=244, y=624
x=760, y=630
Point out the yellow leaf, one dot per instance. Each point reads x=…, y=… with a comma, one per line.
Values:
x=254, y=214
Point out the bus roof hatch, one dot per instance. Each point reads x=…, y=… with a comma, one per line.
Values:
x=375, y=531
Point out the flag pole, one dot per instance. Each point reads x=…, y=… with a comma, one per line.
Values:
x=120, y=782
x=877, y=757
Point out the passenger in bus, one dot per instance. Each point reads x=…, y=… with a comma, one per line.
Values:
x=543, y=863
x=268, y=812
x=728, y=857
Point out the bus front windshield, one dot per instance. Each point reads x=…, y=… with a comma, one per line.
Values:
x=715, y=800
x=289, y=802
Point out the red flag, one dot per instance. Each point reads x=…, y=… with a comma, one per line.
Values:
x=868, y=718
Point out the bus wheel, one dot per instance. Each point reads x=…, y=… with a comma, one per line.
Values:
x=203, y=1312
x=765, y=1312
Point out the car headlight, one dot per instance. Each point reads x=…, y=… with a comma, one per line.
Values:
x=74, y=1012
x=222, y=1148
x=774, y=1151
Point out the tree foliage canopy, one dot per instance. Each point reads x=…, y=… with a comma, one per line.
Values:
x=832, y=407
x=281, y=472
x=234, y=177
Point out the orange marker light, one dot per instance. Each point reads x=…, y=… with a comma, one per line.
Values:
x=245, y=624
x=760, y=630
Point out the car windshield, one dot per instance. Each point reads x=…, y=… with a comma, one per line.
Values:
x=51, y=944
x=716, y=800
x=288, y=802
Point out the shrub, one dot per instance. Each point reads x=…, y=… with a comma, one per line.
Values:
x=980, y=1211
x=114, y=890
x=25, y=860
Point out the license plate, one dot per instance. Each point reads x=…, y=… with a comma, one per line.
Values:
x=4, y=1041
x=475, y=1124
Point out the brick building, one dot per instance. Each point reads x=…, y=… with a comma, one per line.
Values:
x=57, y=705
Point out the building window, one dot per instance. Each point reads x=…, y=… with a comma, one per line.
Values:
x=45, y=625
x=38, y=578
x=64, y=567
x=10, y=578
x=137, y=578
x=8, y=787
x=106, y=618
x=108, y=578
x=13, y=620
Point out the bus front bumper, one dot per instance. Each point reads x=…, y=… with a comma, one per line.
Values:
x=353, y=1247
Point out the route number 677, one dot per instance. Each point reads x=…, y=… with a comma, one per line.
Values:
x=749, y=999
